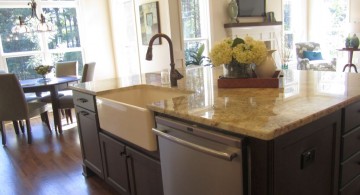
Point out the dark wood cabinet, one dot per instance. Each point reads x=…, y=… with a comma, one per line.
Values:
x=88, y=127
x=114, y=159
x=350, y=151
x=303, y=161
x=145, y=173
x=128, y=170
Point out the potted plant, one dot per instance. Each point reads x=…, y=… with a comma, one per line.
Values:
x=194, y=56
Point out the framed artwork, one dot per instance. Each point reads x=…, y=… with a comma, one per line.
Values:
x=149, y=22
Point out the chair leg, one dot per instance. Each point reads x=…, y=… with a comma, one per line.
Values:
x=16, y=127
x=2, y=131
x=28, y=130
x=46, y=120
x=68, y=115
x=62, y=112
x=22, y=128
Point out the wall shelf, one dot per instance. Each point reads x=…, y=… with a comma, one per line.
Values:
x=249, y=24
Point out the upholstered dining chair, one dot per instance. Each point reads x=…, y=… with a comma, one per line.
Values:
x=66, y=102
x=62, y=69
x=13, y=106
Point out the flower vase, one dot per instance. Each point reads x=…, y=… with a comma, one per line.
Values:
x=266, y=68
x=237, y=70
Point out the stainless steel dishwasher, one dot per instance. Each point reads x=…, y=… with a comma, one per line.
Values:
x=195, y=161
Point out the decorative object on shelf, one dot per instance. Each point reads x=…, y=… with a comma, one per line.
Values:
x=149, y=22
x=354, y=40
x=238, y=56
x=270, y=17
x=347, y=41
x=233, y=11
x=41, y=27
x=43, y=70
x=267, y=67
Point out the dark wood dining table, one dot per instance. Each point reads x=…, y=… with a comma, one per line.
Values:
x=53, y=86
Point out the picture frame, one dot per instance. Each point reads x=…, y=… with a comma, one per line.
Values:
x=149, y=22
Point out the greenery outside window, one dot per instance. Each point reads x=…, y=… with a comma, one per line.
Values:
x=20, y=53
x=195, y=23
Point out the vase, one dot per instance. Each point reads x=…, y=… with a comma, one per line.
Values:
x=266, y=68
x=354, y=42
x=233, y=11
x=238, y=70
x=44, y=79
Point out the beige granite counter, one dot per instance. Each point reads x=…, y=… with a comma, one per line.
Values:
x=257, y=112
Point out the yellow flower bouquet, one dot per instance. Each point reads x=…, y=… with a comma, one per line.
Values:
x=238, y=56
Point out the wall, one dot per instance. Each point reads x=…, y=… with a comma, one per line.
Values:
x=96, y=37
x=354, y=10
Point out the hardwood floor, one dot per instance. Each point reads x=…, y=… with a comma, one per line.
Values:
x=50, y=165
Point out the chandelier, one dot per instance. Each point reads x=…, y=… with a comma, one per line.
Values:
x=22, y=27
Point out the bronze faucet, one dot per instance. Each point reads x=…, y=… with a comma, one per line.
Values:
x=174, y=74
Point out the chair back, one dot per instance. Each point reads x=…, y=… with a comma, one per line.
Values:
x=88, y=72
x=13, y=105
x=63, y=69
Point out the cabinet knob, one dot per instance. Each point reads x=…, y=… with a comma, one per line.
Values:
x=122, y=153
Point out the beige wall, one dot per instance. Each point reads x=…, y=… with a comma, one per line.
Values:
x=96, y=37
x=354, y=10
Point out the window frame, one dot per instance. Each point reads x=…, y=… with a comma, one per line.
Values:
x=44, y=51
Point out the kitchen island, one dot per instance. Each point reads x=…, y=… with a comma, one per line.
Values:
x=299, y=139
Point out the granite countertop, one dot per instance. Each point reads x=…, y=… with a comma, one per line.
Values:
x=263, y=113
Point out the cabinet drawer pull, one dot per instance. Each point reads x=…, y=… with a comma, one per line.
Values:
x=82, y=100
x=84, y=113
x=122, y=153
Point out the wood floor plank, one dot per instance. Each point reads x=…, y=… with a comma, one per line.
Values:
x=50, y=165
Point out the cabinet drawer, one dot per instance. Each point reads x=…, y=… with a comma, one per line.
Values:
x=352, y=189
x=351, y=143
x=84, y=100
x=352, y=116
x=350, y=169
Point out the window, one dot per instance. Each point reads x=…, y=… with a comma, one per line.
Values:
x=20, y=53
x=322, y=21
x=195, y=26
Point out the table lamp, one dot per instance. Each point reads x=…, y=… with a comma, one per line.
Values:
x=354, y=40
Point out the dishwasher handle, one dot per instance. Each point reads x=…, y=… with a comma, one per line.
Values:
x=215, y=153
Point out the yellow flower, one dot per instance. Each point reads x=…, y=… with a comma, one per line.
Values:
x=249, y=52
x=221, y=53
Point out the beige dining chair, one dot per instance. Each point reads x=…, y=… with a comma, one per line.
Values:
x=13, y=106
x=66, y=102
x=62, y=69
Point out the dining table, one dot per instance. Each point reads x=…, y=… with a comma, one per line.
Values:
x=52, y=85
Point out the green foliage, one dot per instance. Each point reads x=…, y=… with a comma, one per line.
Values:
x=237, y=41
x=194, y=56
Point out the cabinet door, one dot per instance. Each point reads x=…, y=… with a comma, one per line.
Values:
x=306, y=160
x=89, y=138
x=145, y=174
x=114, y=160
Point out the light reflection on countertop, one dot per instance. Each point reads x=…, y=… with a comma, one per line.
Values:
x=263, y=113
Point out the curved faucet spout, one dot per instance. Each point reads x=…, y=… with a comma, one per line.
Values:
x=174, y=74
